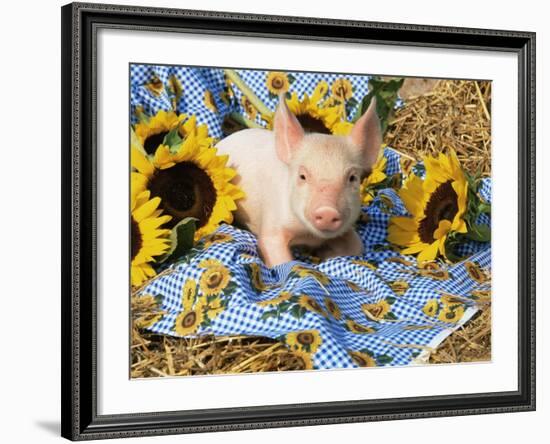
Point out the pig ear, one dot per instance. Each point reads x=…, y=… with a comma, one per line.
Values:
x=288, y=131
x=367, y=136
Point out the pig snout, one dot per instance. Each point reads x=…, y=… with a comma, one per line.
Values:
x=327, y=219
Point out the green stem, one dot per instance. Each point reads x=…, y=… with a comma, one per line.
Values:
x=239, y=118
x=254, y=99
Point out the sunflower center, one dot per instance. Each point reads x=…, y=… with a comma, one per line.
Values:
x=312, y=124
x=443, y=205
x=186, y=191
x=189, y=319
x=135, y=240
x=153, y=141
x=341, y=91
x=359, y=360
x=277, y=83
x=315, y=305
x=305, y=338
x=450, y=315
x=214, y=279
x=375, y=311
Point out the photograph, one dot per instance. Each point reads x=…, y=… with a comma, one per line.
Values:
x=274, y=221
x=301, y=221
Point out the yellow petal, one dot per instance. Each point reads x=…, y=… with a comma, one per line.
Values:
x=442, y=229
x=146, y=210
x=406, y=223
x=140, y=162
x=429, y=253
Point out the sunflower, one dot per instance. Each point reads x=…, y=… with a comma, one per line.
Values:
x=314, y=116
x=151, y=132
x=175, y=90
x=213, y=308
x=188, y=294
x=308, y=340
x=376, y=311
x=481, y=294
x=147, y=239
x=217, y=238
x=188, y=321
x=332, y=308
x=453, y=314
x=342, y=89
x=305, y=272
x=431, y=307
x=277, y=82
x=437, y=206
x=209, y=101
x=283, y=296
x=147, y=320
x=355, y=327
x=440, y=275
x=353, y=286
x=399, y=287
x=304, y=358
x=364, y=263
x=451, y=301
x=376, y=176
x=406, y=165
x=190, y=179
x=311, y=304
x=475, y=272
x=146, y=311
x=248, y=107
x=362, y=359
x=155, y=86
x=256, y=277
x=429, y=266
x=215, y=278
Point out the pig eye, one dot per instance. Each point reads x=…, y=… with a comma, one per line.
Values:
x=353, y=178
x=302, y=177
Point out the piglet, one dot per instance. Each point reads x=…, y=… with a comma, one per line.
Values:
x=302, y=189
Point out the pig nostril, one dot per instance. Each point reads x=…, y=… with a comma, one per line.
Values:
x=326, y=218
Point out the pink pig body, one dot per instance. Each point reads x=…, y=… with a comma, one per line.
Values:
x=302, y=188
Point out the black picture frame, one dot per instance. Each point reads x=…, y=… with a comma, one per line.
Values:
x=79, y=174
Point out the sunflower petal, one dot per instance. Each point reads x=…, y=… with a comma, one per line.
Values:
x=429, y=253
x=140, y=162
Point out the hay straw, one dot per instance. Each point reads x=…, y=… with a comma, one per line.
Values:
x=154, y=355
x=454, y=114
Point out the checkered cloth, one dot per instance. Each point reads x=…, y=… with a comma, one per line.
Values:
x=382, y=283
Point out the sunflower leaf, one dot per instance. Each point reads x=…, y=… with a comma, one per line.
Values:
x=479, y=233
x=181, y=240
x=484, y=208
x=173, y=138
x=386, y=93
x=295, y=311
x=231, y=287
x=284, y=306
x=268, y=314
x=384, y=359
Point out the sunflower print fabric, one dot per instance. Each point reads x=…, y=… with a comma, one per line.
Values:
x=381, y=309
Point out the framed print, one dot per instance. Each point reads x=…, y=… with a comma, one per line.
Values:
x=276, y=221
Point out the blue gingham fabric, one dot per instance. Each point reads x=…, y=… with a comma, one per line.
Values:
x=372, y=306
x=196, y=81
